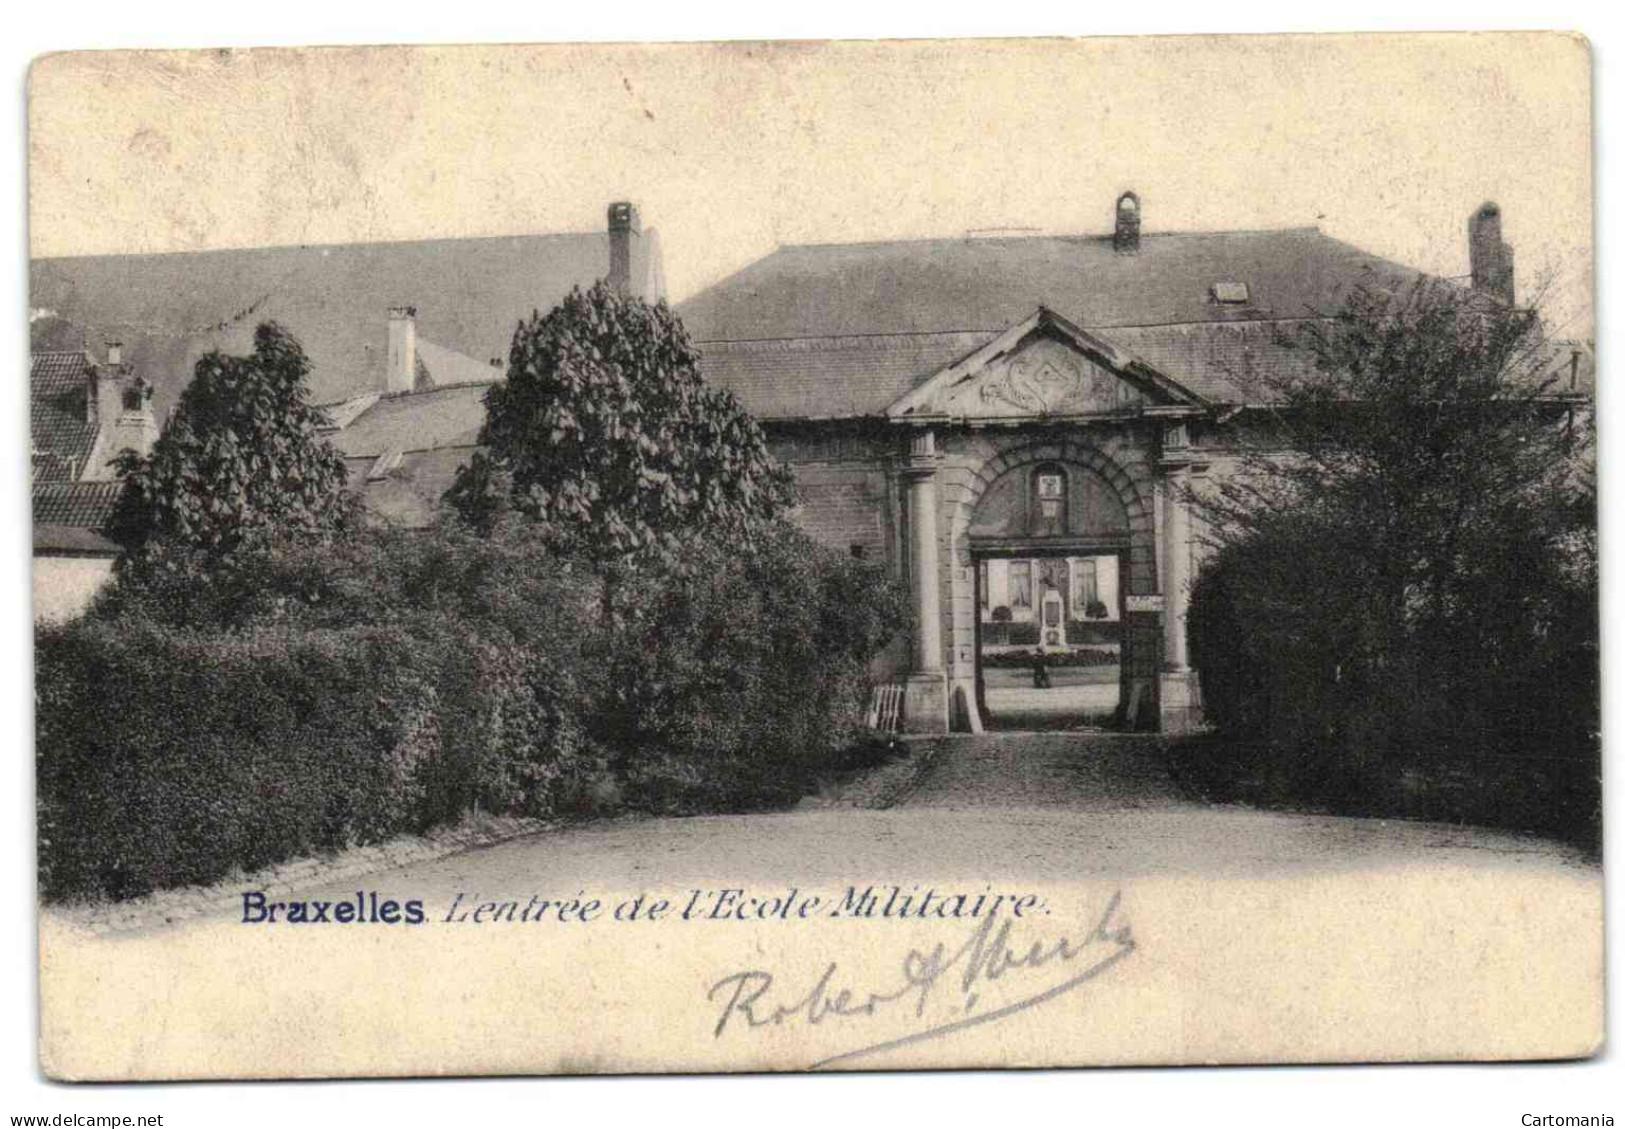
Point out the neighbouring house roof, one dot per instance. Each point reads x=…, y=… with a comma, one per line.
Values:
x=1572, y=367
x=169, y=309
x=407, y=489
x=439, y=367
x=403, y=449
x=70, y=540
x=86, y=505
x=411, y=421
x=62, y=438
x=845, y=329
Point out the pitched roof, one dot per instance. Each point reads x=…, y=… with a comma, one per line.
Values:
x=444, y=367
x=470, y=293
x=413, y=421
x=940, y=285
x=830, y=377
x=62, y=439
x=408, y=492
x=846, y=329
x=69, y=540
x=1225, y=362
x=87, y=505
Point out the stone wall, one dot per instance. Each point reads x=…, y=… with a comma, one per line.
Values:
x=847, y=483
x=847, y=487
x=853, y=496
x=65, y=586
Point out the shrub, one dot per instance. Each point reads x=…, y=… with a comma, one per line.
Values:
x=1075, y=656
x=751, y=666
x=301, y=697
x=1490, y=719
x=1024, y=634
x=166, y=758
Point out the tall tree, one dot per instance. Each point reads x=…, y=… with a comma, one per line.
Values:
x=1424, y=427
x=606, y=432
x=1404, y=531
x=239, y=460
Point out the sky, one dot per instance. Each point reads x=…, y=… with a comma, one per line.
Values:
x=731, y=150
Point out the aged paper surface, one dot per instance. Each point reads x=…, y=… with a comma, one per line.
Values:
x=1012, y=909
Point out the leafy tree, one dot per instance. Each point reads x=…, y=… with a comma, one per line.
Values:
x=605, y=431
x=1403, y=553
x=1423, y=431
x=240, y=460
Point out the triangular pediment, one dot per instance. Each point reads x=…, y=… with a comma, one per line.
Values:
x=1044, y=367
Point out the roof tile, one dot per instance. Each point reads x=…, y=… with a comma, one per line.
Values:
x=169, y=309
x=84, y=504
x=62, y=439
x=938, y=285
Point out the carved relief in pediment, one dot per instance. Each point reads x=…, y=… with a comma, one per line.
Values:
x=1046, y=378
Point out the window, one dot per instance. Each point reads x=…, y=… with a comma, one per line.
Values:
x=136, y=394
x=1086, y=585
x=1021, y=585
x=1230, y=293
x=1049, y=502
x=983, y=584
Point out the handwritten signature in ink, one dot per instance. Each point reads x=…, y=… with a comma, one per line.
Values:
x=989, y=958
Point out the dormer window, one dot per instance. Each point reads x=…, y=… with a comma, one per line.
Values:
x=1230, y=293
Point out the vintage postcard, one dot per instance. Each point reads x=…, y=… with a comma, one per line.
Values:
x=815, y=556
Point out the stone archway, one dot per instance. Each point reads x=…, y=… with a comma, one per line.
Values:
x=1132, y=488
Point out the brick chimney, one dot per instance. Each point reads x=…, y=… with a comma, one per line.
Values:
x=1126, y=235
x=1489, y=255
x=118, y=404
x=102, y=398
x=624, y=227
x=401, y=362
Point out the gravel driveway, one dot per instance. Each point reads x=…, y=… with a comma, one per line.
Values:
x=1259, y=936
x=1041, y=807
x=1089, y=772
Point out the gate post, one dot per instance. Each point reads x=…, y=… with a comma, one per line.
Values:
x=1181, y=701
x=925, y=705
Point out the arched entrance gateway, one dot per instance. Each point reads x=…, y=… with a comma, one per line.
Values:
x=1047, y=538
x=1052, y=558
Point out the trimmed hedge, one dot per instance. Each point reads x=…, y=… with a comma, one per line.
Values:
x=308, y=697
x=1489, y=719
x=1076, y=656
x=168, y=757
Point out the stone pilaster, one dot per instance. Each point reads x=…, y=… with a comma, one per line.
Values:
x=1180, y=693
x=925, y=697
